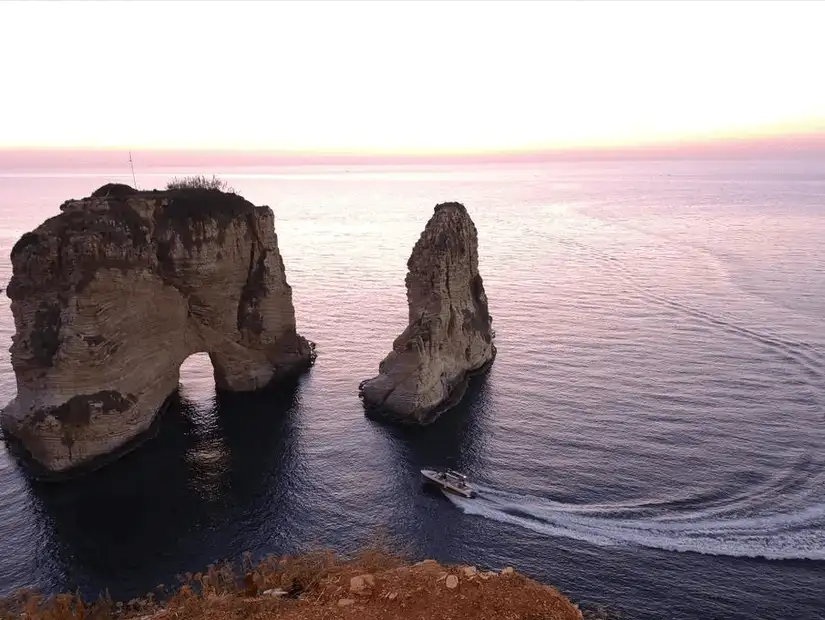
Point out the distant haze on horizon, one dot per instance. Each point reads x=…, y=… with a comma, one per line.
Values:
x=409, y=78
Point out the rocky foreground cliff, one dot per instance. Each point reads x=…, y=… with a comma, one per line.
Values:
x=449, y=336
x=113, y=294
x=319, y=587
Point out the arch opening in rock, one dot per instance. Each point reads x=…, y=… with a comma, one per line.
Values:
x=196, y=380
x=113, y=295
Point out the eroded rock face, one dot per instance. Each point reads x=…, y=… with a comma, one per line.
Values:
x=113, y=294
x=449, y=336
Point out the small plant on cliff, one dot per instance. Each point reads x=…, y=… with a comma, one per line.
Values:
x=200, y=182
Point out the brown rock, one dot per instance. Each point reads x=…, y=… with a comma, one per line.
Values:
x=451, y=582
x=449, y=336
x=344, y=602
x=426, y=563
x=469, y=571
x=360, y=583
x=507, y=570
x=113, y=294
x=274, y=592
x=356, y=584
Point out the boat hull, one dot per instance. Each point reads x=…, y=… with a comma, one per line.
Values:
x=429, y=476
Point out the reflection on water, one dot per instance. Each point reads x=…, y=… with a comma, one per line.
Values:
x=153, y=511
x=235, y=464
x=420, y=520
x=454, y=440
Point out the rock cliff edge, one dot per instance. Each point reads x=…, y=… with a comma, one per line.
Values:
x=113, y=294
x=322, y=586
x=449, y=336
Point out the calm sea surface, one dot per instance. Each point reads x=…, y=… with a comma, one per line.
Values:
x=651, y=435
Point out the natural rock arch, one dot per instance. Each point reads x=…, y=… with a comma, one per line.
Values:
x=111, y=296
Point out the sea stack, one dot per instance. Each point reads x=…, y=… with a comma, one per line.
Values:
x=113, y=294
x=449, y=336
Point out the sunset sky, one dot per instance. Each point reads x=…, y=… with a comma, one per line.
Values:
x=407, y=77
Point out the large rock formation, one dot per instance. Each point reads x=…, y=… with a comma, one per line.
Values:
x=449, y=336
x=113, y=294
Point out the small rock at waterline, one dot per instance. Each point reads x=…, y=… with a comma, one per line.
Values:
x=451, y=582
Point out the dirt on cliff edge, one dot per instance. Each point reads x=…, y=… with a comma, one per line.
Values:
x=319, y=587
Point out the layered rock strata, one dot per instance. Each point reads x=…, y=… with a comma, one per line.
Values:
x=449, y=336
x=113, y=294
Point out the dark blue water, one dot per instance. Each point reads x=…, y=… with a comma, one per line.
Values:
x=651, y=435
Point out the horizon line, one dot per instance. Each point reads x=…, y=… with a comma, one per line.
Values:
x=740, y=145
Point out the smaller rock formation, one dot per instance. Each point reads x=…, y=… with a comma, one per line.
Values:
x=110, y=297
x=449, y=336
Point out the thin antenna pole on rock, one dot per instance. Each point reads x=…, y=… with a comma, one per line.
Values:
x=132, y=166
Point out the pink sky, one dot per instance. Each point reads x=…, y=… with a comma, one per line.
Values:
x=796, y=146
x=408, y=78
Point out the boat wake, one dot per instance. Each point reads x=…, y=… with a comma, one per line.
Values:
x=781, y=536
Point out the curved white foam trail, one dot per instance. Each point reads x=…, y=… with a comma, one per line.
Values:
x=782, y=536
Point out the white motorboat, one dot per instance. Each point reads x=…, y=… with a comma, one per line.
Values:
x=448, y=480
